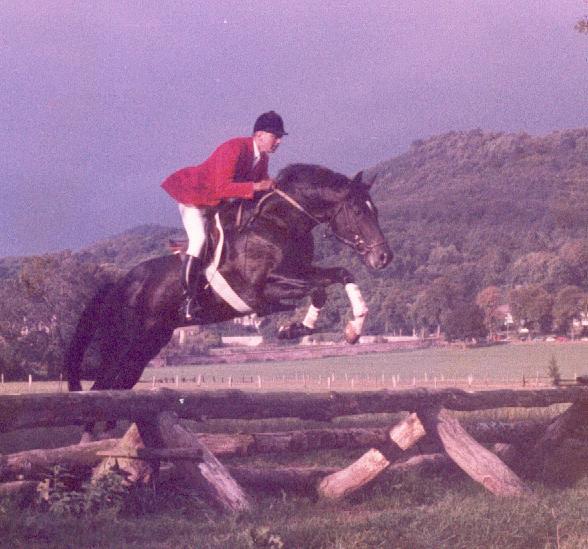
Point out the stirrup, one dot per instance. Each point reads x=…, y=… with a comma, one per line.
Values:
x=191, y=308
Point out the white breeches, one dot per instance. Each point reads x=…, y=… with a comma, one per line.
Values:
x=195, y=222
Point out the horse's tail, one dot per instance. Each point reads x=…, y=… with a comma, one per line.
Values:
x=83, y=334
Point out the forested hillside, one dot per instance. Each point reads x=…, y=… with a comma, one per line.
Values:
x=475, y=220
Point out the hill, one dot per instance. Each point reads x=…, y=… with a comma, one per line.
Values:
x=487, y=198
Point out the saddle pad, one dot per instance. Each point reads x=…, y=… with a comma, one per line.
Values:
x=217, y=281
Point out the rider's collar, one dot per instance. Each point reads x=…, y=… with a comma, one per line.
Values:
x=256, y=153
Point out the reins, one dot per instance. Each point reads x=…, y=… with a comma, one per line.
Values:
x=357, y=243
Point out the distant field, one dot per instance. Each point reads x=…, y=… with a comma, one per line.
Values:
x=485, y=366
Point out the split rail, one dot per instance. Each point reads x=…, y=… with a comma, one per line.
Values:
x=489, y=451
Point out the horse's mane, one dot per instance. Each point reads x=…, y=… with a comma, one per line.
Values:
x=312, y=181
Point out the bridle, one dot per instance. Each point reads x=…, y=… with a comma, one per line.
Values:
x=358, y=244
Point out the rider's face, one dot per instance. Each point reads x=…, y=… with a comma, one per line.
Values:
x=267, y=142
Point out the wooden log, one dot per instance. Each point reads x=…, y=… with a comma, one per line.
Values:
x=562, y=427
x=548, y=454
x=77, y=459
x=154, y=454
x=473, y=458
x=135, y=471
x=210, y=476
x=289, y=441
x=38, y=410
x=372, y=463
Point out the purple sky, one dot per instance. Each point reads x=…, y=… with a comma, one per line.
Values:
x=101, y=100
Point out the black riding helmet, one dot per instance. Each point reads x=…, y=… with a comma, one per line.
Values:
x=270, y=122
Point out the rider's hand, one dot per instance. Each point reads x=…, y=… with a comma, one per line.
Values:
x=264, y=185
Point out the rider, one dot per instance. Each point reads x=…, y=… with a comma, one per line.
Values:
x=236, y=169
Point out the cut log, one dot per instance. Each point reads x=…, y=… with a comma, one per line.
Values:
x=372, y=463
x=473, y=458
x=211, y=477
x=135, y=471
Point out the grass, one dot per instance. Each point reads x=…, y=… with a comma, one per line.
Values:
x=499, y=363
x=412, y=512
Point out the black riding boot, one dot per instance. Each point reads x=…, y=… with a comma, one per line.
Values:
x=191, y=274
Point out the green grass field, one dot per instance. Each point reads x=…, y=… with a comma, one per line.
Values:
x=501, y=364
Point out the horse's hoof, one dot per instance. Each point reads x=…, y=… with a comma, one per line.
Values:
x=351, y=336
x=295, y=330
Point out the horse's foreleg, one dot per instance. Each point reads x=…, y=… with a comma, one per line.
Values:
x=360, y=310
x=358, y=306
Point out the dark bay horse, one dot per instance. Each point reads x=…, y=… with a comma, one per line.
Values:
x=267, y=261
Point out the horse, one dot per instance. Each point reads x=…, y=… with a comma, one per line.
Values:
x=264, y=267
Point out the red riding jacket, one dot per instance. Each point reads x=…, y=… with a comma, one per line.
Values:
x=227, y=173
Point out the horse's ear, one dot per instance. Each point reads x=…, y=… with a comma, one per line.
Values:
x=363, y=178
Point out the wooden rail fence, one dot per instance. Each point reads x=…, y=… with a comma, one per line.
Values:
x=157, y=435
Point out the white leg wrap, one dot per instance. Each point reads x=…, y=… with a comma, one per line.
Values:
x=311, y=317
x=358, y=306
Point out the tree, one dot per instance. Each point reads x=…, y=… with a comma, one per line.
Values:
x=435, y=301
x=55, y=288
x=489, y=300
x=465, y=322
x=569, y=303
x=574, y=255
x=389, y=311
x=531, y=306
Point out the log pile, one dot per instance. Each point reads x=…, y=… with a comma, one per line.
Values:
x=427, y=436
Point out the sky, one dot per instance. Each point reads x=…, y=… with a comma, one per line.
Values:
x=100, y=101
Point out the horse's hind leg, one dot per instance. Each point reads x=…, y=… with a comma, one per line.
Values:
x=295, y=330
x=135, y=361
x=112, y=353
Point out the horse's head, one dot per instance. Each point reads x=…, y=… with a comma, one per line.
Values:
x=329, y=197
x=355, y=222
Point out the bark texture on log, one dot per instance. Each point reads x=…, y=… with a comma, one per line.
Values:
x=39, y=410
x=479, y=463
x=211, y=477
x=372, y=463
